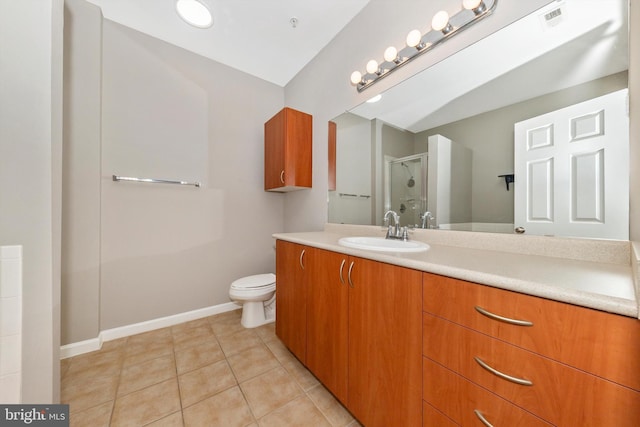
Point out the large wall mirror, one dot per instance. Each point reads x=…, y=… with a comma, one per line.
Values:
x=445, y=140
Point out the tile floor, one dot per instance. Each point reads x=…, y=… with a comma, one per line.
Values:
x=208, y=372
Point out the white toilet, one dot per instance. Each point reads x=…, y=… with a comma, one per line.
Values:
x=257, y=294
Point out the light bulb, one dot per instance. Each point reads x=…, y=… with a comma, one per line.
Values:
x=356, y=77
x=440, y=21
x=413, y=38
x=194, y=13
x=477, y=6
x=372, y=66
x=471, y=4
x=391, y=54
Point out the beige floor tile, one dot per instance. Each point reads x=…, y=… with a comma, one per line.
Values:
x=252, y=362
x=226, y=409
x=147, y=405
x=117, y=344
x=226, y=323
x=337, y=415
x=152, y=337
x=270, y=391
x=240, y=341
x=267, y=332
x=303, y=377
x=141, y=375
x=140, y=352
x=98, y=416
x=300, y=412
x=281, y=352
x=83, y=392
x=65, y=364
x=173, y=420
x=199, y=356
x=205, y=382
x=182, y=335
x=181, y=327
x=97, y=363
x=196, y=338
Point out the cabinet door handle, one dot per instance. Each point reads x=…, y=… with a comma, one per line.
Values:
x=502, y=375
x=349, y=274
x=301, y=257
x=482, y=419
x=282, y=176
x=342, y=267
x=503, y=319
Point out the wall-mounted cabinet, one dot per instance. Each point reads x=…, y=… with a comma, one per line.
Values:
x=288, y=151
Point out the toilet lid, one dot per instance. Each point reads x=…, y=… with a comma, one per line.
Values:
x=255, y=282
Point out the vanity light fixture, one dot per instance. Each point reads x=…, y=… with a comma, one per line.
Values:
x=194, y=13
x=443, y=27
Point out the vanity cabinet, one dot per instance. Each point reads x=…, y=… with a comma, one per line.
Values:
x=362, y=326
x=291, y=296
x=488, y=349
x=288, y=151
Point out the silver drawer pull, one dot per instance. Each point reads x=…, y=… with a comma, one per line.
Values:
x=341, y=268
x=301, y=258
x=503, y=319
x=482, y=418
x=501, y=375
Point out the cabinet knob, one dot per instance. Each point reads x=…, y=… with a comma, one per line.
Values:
x=282, y=176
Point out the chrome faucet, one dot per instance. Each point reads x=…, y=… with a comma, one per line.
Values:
x=395, y=231
x=426, y=218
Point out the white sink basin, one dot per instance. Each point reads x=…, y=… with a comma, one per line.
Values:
x=383, y=245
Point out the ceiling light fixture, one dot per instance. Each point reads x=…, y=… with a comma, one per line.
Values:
x=443, y=27
x=194, y=13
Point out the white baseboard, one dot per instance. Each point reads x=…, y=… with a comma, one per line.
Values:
x=77, y=348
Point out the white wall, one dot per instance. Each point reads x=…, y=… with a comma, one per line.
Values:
x=30, y=176
x=380, y=24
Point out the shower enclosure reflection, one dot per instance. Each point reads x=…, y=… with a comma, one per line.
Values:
x=406, y=188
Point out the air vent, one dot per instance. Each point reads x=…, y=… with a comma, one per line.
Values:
x=553, y=17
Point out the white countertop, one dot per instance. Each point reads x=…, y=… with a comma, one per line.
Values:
x=601, y=274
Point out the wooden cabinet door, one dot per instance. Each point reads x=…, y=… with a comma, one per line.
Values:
x=288, y=151
x=274, y=151
x=327, y=312
x=291, y=309
x=385, y=345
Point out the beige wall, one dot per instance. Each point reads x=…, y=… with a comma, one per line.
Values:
x=350, y=50
x=30, y=170
x=81, y=173
x=171, y=114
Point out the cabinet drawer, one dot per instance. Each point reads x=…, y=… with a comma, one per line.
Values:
x=431, y=417
x=458, y=398
x=558, y=393
x=602, y=343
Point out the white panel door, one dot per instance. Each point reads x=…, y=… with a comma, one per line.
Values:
x=572, y=170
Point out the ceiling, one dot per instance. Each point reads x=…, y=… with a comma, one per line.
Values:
x=253, y=36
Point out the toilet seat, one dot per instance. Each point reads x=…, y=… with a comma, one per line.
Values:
x=255, y=283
